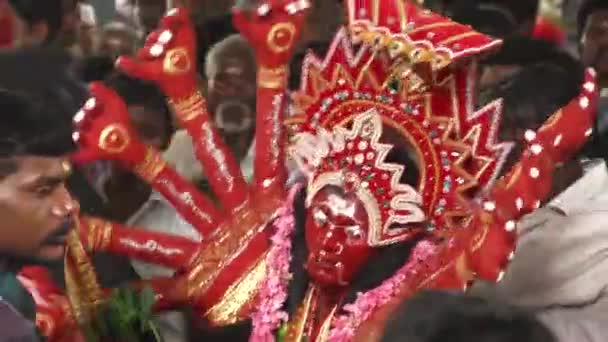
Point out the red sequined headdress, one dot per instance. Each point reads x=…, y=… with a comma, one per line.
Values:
x=455, y=146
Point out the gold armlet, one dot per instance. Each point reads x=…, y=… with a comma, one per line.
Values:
x=151, y=166
x=189, y=108
x=99, y=234
x=273, y=78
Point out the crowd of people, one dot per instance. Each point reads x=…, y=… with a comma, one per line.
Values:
x=224, y=142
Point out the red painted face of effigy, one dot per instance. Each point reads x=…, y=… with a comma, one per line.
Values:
x=336, y=235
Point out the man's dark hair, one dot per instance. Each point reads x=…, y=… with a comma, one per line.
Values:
x=96, y=68
x=548, y=80
x=30, y=126
x=499, y=18
x=443, y=316
x=137, y=92
x=587, y=8
x=41, y=11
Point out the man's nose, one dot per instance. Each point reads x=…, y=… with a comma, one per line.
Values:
x=64, y=204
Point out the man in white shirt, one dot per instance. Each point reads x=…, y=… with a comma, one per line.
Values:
x=561, y=261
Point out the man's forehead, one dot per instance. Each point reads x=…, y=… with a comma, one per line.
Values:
x=32, y=168
x=233, y=64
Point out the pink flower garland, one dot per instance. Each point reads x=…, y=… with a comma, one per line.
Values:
x=344, y=327
x=269, y=314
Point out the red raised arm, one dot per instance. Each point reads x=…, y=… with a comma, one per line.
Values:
x=103, y=132
x=523, y=190
x=171, y=251
x=169, y=59
x=273, y=30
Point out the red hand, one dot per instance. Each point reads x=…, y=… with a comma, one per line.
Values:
x=273, y=29
x=53, y=314
x=168, y=56
x=103, y=131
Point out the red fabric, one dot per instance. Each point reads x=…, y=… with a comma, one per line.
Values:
x=549, y=31
x=6, y=30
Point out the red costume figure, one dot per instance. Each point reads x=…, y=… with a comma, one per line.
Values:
x=401, y=169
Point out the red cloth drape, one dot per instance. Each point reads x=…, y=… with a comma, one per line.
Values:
x=7, y=26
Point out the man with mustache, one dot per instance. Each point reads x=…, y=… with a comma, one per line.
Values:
x=231, y=75
x=36, y=210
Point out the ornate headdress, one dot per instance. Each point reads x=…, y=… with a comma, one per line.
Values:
x=421, y=38
x=346, y=100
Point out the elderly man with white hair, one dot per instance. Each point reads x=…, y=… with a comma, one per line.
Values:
x=230, y=72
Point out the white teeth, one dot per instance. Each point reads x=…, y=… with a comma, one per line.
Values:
x=75, y=136
x=165, y=37
x=156, y=50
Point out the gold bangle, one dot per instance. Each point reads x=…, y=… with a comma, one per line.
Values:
x=151, y=166
x=272, y=78
x=190, y=107
x=99, y=234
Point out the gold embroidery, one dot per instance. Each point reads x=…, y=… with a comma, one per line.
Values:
x=67, y=167
x=458, y=37
x=243, y=291
x=324, y=331
x=514, y=176
x=479, y=238
x=99, y=234
x=272, y=78
x=431, y=26
x=114, y=138
x=402, y=15
x=45, y=323
x=177, y=61
x=189, y=108
x=74, y=294
x=376, y=11
x=296, y=326
x=86, y=273
x=554, y=119
x=152, y=165
x=281, y=37
x=233, y=238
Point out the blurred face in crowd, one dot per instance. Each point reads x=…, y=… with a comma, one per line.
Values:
x=36, y=209
x=117, y=42
x=151, y=126
x=231, y=97
x=491, y=75
x=39, y=32
x=70, y=23
x=149, y=12
x=594, y=42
